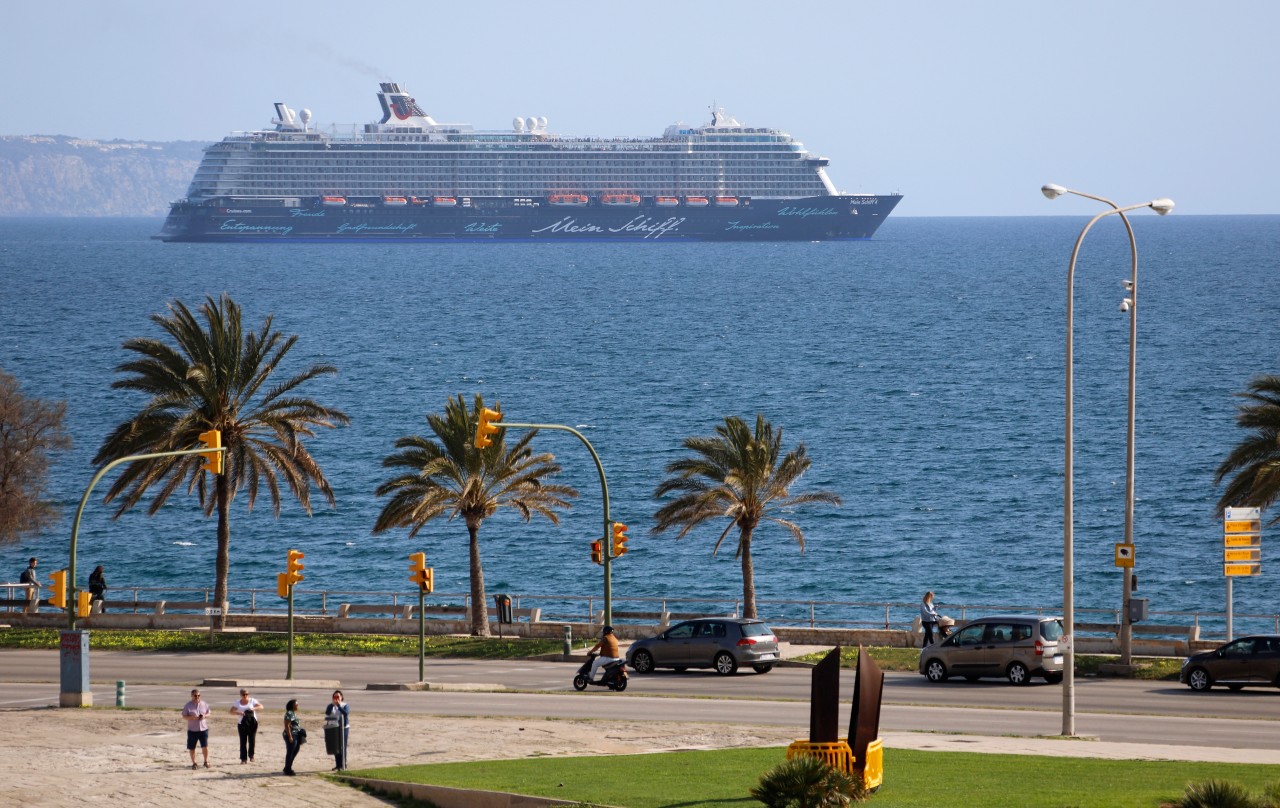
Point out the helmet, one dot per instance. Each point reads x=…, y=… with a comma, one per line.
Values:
x=608, y=630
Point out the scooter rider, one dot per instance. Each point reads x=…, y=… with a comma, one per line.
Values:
x=608, y=650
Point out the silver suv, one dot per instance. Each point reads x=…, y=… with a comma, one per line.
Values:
x=1014, y=647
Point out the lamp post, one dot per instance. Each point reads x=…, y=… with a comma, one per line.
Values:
x=1160, y=206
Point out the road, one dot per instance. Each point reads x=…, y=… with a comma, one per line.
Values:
x=1113, y=710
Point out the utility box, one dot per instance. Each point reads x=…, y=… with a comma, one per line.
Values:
x=503, y=602
x=1137, y=610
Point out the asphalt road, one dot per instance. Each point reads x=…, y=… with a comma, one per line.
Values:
x=1113, y=710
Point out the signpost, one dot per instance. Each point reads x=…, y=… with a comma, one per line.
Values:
x=1241, y=549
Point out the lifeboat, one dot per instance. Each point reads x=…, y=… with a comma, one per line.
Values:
x=620, y=200
x=394, y=201
x=413, y=200
x=571, y=200
x=727, y=201
x=444, y=201
x=696, y=201
x=333, y=201
x=667, y=201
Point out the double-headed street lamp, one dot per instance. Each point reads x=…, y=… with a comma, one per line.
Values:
x=1160, y=206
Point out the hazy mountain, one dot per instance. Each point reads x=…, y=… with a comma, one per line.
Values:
x=55, y=175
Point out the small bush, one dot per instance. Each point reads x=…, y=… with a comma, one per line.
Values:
x=1218, y=794
x=807, y=782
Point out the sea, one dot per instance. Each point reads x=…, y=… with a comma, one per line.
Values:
x=922, y=369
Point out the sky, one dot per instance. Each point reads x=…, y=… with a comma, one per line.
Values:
x=965, y=108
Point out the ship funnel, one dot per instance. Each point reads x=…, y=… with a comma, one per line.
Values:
x=397, y=106
x=285, y=118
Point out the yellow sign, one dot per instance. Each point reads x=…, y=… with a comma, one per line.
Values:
x=1242, y=540
x=1250, y=554
x=1241, y=569
x=1242, y=526
x=1124, y=555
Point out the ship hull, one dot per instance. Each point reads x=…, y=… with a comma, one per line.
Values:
x=819, y=218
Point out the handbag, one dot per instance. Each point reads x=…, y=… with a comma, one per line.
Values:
x=301, y=735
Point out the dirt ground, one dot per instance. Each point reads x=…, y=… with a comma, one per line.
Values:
x=106, y=757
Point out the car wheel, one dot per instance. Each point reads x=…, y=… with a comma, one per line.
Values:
x=1198, y=679
x=1018, y=673
x=1053, y=678
x=935, y=671
x=726, y=665
x=620, y=685
x=642, y=661
x=762, y=668
x=580, y=682
x=1235, y=687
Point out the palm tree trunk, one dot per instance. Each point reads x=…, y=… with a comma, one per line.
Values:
x=479, y=613
x=223, y=563
x=748, y=576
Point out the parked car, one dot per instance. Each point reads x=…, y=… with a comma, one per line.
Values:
x=1245, y=661
x=1011, y=646
x=723, y=643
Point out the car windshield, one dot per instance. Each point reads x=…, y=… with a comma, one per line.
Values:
x=1051, y=630
x=755, y=630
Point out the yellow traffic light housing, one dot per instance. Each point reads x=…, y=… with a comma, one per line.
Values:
x=294, y=566
x=420, y=573
x=597, y=552
x=282, y=585
x=428, y=584
x=619, y=539
x=212, y=460
x=84, y=604
x=487, y=427
x=58, y=597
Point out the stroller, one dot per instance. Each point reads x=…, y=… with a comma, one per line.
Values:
x=944, y=627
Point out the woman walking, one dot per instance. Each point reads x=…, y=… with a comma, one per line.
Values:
x=928, y=618
x=247, y=708
x=338, y=720
x=294, y=736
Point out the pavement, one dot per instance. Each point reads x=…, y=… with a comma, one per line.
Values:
x=63, y=758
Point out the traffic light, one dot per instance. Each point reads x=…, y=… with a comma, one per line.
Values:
x=428, y=584
x=619, y=539
x=282, y=585
x=58, y=597
x=294, y=567
x=487, y=427
x=84, y=604
x=420, y=573
x=597, y=552
x=212, y=460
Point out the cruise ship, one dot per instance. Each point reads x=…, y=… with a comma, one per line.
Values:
x=408, y=178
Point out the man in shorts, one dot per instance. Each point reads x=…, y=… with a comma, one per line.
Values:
x=196, y=713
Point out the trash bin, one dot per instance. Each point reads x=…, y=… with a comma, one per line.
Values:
x=503, y=604
x=332, y=736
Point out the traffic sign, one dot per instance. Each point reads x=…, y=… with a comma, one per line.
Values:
x=1247, y=554
x=1234, y=570
x=1242, y=540
x=1124, y=555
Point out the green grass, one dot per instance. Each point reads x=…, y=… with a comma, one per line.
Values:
x=908, y=659
x=720, y=779
x=270, y=643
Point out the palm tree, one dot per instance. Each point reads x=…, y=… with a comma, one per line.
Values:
x=215, y=376
x=450, y=477
x=1256, y=460
x=738, y=476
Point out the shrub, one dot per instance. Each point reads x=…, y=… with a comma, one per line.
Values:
x=807, y=782
x=1218, y=794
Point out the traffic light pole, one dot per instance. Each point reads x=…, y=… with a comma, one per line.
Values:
x=288, y=673
x=604, y=491
x=422, y=636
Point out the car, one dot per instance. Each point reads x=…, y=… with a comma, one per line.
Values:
x=1015, y=647
x=1242, y=662
x=722, y=643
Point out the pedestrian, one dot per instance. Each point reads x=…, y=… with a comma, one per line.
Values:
x=338, y=717
x=928, y=618
x=247, y=708
x=196, y=713
x=294, y=736
x=97, y=585
x=29, y=577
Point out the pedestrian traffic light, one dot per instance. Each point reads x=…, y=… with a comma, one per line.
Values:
x=282, y=585
x=597, y=552
x=58, y=597
x=212, y=460
x=487, y=427
x=84, y=604
x=294, y=567
x=619, y=539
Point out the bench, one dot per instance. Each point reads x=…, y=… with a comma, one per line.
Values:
x=407, y=611
x=663, y=619
x=348, y=609
x=1192, y=633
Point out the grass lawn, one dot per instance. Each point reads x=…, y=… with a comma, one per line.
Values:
x=720, y=779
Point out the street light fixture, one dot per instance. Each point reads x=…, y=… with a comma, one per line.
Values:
x=1160, y=206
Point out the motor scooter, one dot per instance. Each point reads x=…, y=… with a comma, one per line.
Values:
x=613, y=677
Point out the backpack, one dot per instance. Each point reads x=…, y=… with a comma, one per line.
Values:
x=250, y=721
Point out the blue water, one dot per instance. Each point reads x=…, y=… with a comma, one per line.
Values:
x=923, y=369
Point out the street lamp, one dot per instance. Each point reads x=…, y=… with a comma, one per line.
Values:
x=1160, y=206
